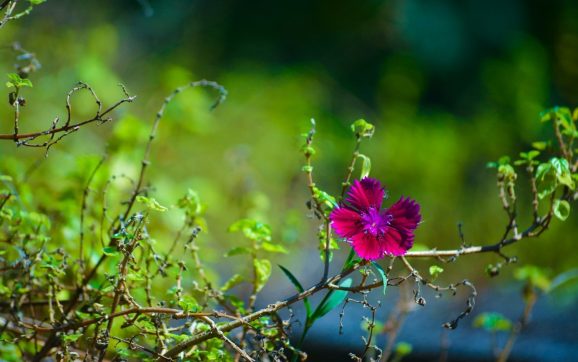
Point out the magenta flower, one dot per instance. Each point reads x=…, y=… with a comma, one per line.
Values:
x=373, y=232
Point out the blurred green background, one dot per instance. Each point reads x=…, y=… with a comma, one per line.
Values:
x=449, y=85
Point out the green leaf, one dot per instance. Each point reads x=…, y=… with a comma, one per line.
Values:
x=14, y=80
x=365, y=166
x=233, y=281
x=239, y=250
x=381, y=273
x=563, y=278
x=262, y=273
x=402, y=349
x=5, y=178
x=546, y=180
x=191, y=204
x=292, y=279
x=110, y=251
x=324, y=198
x=308, y=150
x=492, y=322
x=435, y=271
x=67, y=338
x=507, y=171
x=529, y=155
x=534, y=275
x=299, y=288
x=362, y=128
x=273, y=248
x=189, y=304
x=151, y=203
x=332, y=300
x=541, y=146
x=561, y=209
x=252, y=229
x=36, y=2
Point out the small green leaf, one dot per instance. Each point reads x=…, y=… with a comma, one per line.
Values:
x=362, y=128
x=435, y=271
x=534, y=276
x=239, y=250
x=308, y=150
x=252, y=229
x=492, y=322
x=561, y=209
x=402, y=349
x=365, y=166
x=381, y=273
x=110, y=251
x=233, y=281
x=273, y=248
x=68, y=338
x=262, y=273
x=189, y=304
x=151, y=203
x=191, y=204
x=546, y=180
x=17, y=82
x=324, y=198
x=541, y=146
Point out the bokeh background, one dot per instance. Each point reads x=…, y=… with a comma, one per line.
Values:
x=450, y=85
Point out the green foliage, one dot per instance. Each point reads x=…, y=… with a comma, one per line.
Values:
x=492, y=322
x=189, y=304
x=435, y=271
x=561, y=209
x=533, y=275
x=527, y=158
x=552, y=174
x=563, y=117
x=15, y=81
x=362, y=129
x=324, y=198
x=403, y=349
x=252, y=230
x=365, y=166
x=262, y=273
x=151, y=203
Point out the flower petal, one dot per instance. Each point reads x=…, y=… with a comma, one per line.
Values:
x=399, y=236
x=396, y=242
x=365, y=194
x=345, y=222
x=367, y=246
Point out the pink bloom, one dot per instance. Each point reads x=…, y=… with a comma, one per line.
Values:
x=371, y=231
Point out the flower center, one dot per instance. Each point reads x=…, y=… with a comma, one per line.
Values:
x=375, y=223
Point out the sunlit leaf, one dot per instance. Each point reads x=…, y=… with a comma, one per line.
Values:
x=561, y=209
x=262, y=273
